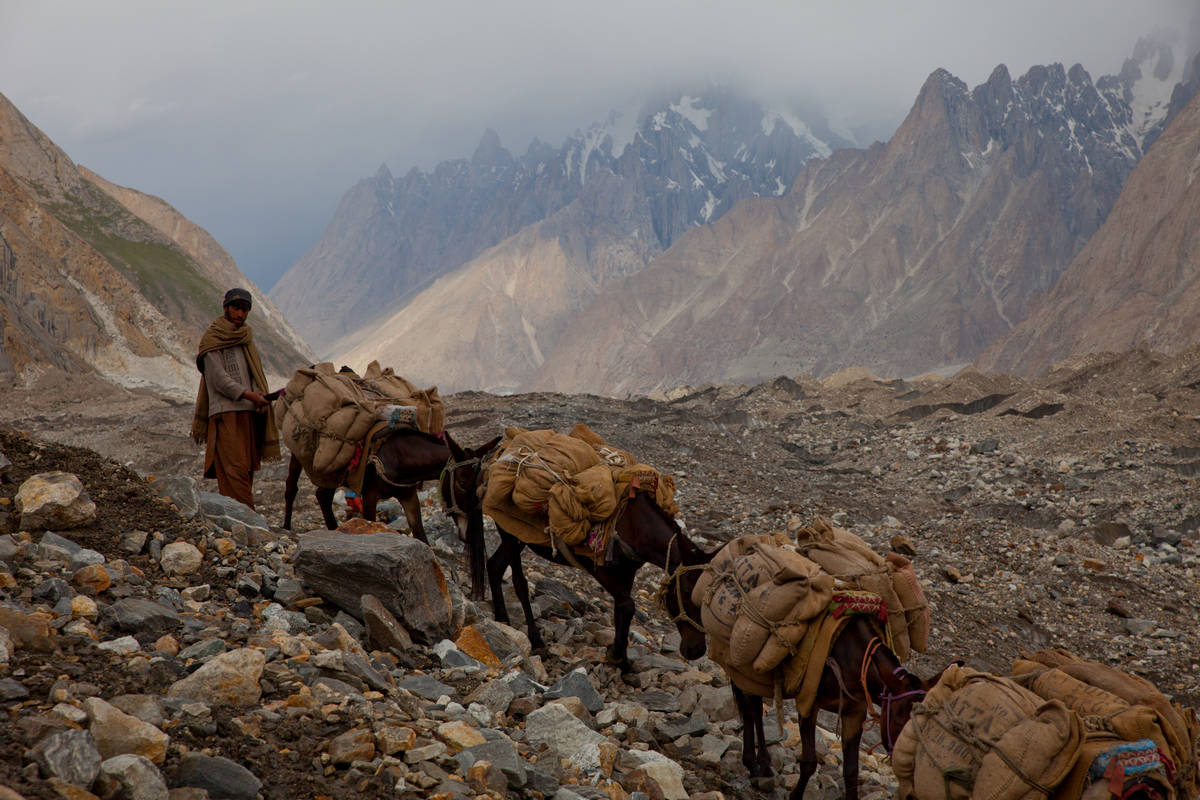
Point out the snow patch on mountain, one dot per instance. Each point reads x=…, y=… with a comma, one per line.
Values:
x=688, y=109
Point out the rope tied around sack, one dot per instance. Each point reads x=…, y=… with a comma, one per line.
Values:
x=727, y=574
x=961, y=729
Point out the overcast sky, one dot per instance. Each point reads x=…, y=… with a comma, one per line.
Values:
x=253, y=118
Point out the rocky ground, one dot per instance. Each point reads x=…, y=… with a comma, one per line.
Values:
x=1059, y=512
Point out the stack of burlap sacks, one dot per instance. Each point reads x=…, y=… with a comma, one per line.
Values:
x=1058, y=727
x=762, y=595
x=327, y=417
x=542, y=483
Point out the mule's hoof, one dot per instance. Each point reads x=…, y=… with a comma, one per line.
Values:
x=764, y=783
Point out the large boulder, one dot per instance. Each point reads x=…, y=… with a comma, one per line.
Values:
x=402, y=572
x=54, y=500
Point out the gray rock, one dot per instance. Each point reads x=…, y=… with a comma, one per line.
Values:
x=130, y=777
x=70, y=756
x=656, y=700
x=225, y=512
x=694, y=725
x=85, y=557
x=288, y=591
x=383, y=629
x=577, y=684
x=522, y=685
x=138, y=615
x=11, y=689
x=10, y=548
x=202, y=650
x=557, y=728
x=221, y=777
x=134, y=542
x=52, y=539
x=570, y=603
x=182, y=491
x=143, y=706
x=401, y=571
x=52, y=590
x=360, y=668
x=353, y=627
x=426, y=686
x=493, y=695
x=502, y=754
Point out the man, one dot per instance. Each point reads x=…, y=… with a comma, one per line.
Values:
x=233, y=416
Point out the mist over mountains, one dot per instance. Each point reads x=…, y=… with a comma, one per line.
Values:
x=722, y=241
x=708, y=238
x=679, y=163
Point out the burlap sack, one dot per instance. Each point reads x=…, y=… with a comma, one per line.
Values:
x=569, y=485
x=912, y=600
x=984, y=737
x=1178, y=724
x=757, y=596
x=325, y=415
x=385, y=386
x=852, y=561
x=1128, y=722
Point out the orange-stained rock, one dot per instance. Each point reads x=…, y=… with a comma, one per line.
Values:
x=167, y=644
x=94, y=576
x=27, y=630
x=358, y=525
x=471, y=642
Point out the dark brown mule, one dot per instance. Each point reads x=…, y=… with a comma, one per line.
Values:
x=459, y=482
x=644, y=534
x=408, y=457
x=861, y=672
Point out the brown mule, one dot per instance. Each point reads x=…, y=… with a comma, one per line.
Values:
x=860, y=673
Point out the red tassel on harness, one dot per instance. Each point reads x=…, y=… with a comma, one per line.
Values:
x=358, y=451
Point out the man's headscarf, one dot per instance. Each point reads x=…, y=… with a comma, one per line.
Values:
x=220, y=335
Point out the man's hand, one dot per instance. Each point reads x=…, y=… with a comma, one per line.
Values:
x=258, y=398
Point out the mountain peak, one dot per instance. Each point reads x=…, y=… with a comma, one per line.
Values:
x=383, y=173
x=490, y=153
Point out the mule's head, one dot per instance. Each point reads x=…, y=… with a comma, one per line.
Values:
x=459, y=485
x=677, y=602
x=682, y=561
x=460, y=481
x=902, y=691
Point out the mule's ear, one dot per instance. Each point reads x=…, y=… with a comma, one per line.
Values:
x=489, y=447
x=929, y=684
x=457, y=452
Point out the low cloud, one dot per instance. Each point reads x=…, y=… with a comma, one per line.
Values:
x=254, y=118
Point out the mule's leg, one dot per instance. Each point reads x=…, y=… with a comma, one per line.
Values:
x=618, y=580
x=521, y=587
x=763, y=768
x=325, y=501
x=290, y=487
x=370, y=494
x=754, y=743
x=496, y=565
x=476, y=554
x=853, y=718
x=808, y=753
x=411, y=503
